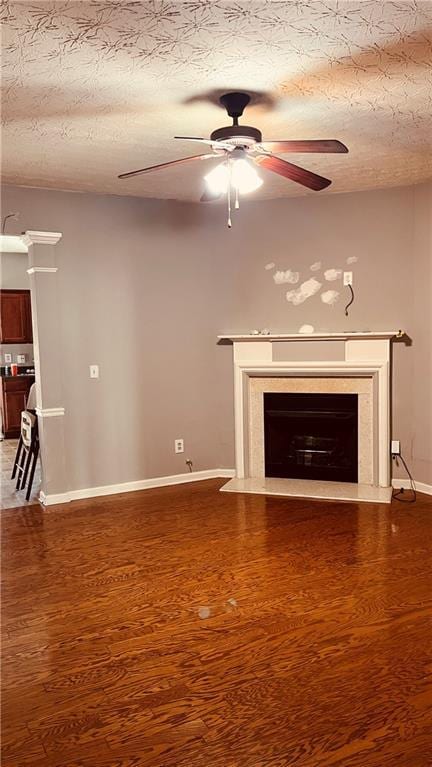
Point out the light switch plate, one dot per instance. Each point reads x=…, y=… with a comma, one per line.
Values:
x=94, y=371
x=21, y=359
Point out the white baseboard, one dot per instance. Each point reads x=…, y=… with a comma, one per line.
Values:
x=130, y=487
x=174, y=479
x=421, y=487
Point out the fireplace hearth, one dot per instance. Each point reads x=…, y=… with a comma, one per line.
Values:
x=311, y=436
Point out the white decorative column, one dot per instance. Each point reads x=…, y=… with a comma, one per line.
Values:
x=48, y=364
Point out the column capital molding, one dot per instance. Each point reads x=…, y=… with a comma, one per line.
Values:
x=49, y=412
x=41, y=238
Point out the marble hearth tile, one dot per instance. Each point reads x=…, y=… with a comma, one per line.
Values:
x=304, y=488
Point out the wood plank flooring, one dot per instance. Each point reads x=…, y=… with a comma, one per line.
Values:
x=183, y=627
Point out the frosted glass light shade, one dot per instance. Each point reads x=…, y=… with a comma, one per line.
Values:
x=244, y=177
x=218, y=179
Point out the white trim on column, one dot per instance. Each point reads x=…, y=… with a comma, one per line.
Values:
x=49, y=412
x=41, y=238
x=37, y=269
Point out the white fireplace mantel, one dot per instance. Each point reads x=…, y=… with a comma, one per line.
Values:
x=363, y=354
x=357, y=334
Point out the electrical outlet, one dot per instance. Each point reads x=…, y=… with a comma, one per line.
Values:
x=347, y=278
x=21, y=359
x=395, y=447
x=94, y=371
x=8, y=359
x=179, y=445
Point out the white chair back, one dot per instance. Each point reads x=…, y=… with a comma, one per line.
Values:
x=28, y=424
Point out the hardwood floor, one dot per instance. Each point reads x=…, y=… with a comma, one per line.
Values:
x=184, y=627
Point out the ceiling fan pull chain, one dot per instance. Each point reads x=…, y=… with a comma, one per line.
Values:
x=229, y=196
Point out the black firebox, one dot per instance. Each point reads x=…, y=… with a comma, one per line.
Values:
x=311, y=436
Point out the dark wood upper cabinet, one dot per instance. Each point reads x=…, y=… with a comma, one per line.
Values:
x=15, y=317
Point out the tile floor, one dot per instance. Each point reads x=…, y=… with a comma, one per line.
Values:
x=9, y=497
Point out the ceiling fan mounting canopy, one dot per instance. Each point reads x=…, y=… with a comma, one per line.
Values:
x=235, y=103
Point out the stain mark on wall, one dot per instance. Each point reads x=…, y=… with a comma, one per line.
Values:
x=352, y=260
x=329, y=297
x=306, y=290
x=332, y=274
x=306, y=329
x=289, y=276
x=316, y=266
x=269, y=266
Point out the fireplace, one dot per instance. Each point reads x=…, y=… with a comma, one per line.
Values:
x=311, y=436
x=326, y=433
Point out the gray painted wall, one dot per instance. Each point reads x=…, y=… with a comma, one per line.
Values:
x=146, y=285
x=420, y=395
x=13, y=271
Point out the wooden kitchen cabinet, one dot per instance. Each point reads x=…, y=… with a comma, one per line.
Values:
x=14, y=394
x=15, y=317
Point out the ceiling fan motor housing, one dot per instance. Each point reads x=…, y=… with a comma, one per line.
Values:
x=237, y=134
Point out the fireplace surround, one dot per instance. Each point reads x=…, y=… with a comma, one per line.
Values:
x=266, y=365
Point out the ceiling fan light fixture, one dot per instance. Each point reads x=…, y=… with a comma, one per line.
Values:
x=240, y=173
x=218, y=179
x=244, y=177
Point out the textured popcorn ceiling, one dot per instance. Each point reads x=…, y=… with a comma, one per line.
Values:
x=92, y=89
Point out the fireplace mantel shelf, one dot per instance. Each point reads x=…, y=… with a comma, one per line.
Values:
x=350, y=335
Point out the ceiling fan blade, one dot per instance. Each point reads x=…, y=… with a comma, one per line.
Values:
x=324, y=145
x=208, y=196
x=194, y=138
x=215, y=144
x=293, y=172
x=167, y=165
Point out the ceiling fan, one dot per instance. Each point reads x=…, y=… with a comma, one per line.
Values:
x=242, y=147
